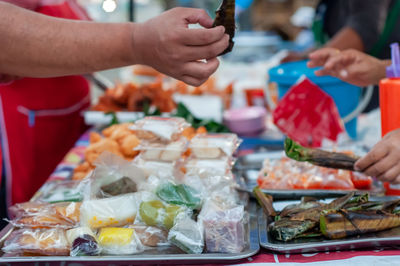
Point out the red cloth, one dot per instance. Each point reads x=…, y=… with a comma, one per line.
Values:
x=40, y=121
x=308, y=115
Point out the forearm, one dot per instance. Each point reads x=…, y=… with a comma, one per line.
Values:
x=347, y=38
x=34, y=45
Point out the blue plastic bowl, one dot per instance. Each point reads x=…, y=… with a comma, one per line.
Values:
x=345, y=95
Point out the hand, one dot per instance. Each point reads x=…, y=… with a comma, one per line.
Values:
x=383, y=160
x=293, y=57
x=351, y=66
x=168, y=45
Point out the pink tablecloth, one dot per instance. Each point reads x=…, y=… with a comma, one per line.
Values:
x=364, y=257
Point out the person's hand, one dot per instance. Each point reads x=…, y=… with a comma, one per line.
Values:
x=383, y=160
x=293, y=57
x=351, y=66
x=168, y=45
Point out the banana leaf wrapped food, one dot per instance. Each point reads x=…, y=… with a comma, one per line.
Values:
x=318, y=157
x=226, y=17
x=344, y=217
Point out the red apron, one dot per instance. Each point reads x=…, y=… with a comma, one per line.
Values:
x=40, y=120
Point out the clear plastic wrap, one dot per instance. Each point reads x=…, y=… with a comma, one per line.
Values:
x=83, y=242
x=165, y=170
x=114, y=176
x=290, y=174
x=119, y=241
x=223, y=227
x=115, y=211
x=208, y=167
x=45, y=242
x=213, y=146
x=187, y=235
x=163, y=152
x=158, y=214
x=61, y=191
x=151, y=236
x=182, y=195
x=35, y=215
x=160, y=129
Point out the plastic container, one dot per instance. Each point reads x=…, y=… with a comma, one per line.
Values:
x=248, y=121
x=346, y=96
x=389, y=95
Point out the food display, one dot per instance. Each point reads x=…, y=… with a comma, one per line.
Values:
x=343, y=217
x=312, y=169
x=213, y=146
x=124, y=209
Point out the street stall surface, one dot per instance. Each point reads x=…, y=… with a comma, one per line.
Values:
x=372, y=256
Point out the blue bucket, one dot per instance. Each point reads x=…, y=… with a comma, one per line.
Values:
x=346, y=96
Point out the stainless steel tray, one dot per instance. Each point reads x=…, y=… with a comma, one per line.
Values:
x=384, y=239
x=246, y=172
x=164, y=255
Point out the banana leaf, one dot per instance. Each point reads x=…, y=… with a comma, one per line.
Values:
x=265, y=202
x=226, y=17
x=319, y=157
x=343, y=223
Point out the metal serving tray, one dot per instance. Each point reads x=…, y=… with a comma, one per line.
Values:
x=384, y=239
x=246, y=172
x=159, y=255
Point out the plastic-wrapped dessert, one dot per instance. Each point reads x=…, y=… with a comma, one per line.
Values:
x=46, y=242
x=213, y=146
x=119, y=241
x=160, y=129
x=223, y=227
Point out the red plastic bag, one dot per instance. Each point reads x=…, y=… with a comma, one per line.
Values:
x=308, y=115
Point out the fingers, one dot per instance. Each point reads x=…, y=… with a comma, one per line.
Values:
x=196, y=73
x=194, y=16
x=377, y=153
x=382, y=166
x=391, y=175
x=200, y=37
x=319, y=57
x=194, y=53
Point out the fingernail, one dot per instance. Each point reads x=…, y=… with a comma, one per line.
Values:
x=356, y=168
x=344, y=73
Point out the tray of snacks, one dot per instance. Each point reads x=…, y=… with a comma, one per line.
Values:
x=345, y=223
x=286, y=175
x=157, y=198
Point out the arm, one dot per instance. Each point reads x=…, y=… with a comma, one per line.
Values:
x=35, y=45
x=346, y=38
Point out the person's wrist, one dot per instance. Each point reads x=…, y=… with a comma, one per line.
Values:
x=137, y=43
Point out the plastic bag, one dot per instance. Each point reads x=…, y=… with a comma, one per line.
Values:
x=182, y=194
x=83, y=242
x=34, y=215
x=114, y=176
x=223, y=227
x=163, y=152
x=187, y=235
x=308, y=115
x=115, y=211
x=208, y=167
x=46, y=242
x=165, y=170
x=160, y=129
x=119, y=241
x=290, y=174
x=213, y=146
x=156, y=213
x=151, y=236
x=61, y=191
